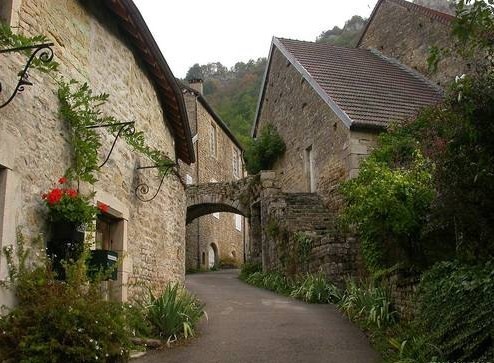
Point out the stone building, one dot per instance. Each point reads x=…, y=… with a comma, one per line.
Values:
x=221, y=236
x=107, y=44
x=328, y=104
x=405, y=31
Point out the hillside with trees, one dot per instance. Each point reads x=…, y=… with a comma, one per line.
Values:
x=232, y=92
x=347, y=36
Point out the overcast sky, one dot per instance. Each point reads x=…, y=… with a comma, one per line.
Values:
x=200, y=31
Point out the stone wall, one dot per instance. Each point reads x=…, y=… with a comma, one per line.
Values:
x=405, y=34
x=284, y=216
x=218, y=229
x=305, y=121
x=403, y=288
x=90, y=48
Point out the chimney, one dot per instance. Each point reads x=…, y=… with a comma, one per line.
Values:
x=196, y=83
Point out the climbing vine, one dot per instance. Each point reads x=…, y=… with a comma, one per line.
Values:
x=8, y=39
x=80, y=108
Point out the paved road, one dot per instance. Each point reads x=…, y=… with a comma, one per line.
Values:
x=251, y=325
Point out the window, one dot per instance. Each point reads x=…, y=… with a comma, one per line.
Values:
x=238, y=222
x=212, y=140
x=3, y=187
x=236, y=162
x=188, y=179
x=215, y=215
x=309, y=169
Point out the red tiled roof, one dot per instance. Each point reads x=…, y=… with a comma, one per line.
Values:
x=368, y=88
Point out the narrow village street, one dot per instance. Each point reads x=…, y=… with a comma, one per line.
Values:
x=247, y=324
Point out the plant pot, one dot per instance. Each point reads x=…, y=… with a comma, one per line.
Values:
x=66, y=243
x=105, y=262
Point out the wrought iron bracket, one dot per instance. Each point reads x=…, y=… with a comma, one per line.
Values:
x=143, y=188
x=43, y=52
x=124, y=127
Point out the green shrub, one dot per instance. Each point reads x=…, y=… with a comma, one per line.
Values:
x=56, y=321
x=249, y=268
x=315, y=289
x=264, y=151
x=457, y=310
x=174, y=313
x=273, y=281
x=368, y=304
x=389, y=207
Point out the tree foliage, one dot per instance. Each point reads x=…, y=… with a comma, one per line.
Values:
x=345, y=37
x=233, y=93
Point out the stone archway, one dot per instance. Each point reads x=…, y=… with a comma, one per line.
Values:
x=233, y=197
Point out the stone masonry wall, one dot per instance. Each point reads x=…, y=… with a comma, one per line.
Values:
x=407, y=35
x=90, y=48
x=284, y=215
x=218, y=229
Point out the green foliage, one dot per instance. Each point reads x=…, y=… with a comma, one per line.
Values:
x=369, y=304
x=273, y=281
x=8, y=39
x=233, y=93
x=264, y=151
x=249, y=268
x=174, y=313
x=81, y=109
x=346, y=37
x=456, y=310
x=388, y=205
x=304, y=247
x=56, y=321
x=315, y=289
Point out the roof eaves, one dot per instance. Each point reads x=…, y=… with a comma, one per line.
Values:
x=183, y=148
x=262, y=90
x=319, y=90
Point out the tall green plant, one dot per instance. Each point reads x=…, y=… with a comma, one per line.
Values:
x=174, y=313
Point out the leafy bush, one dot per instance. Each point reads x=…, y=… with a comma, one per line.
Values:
x=315, y=289
x=174, y=313
x=368, y=304
x=389, y=207
x=264, y=151
x=57, y=321
x=457, y=310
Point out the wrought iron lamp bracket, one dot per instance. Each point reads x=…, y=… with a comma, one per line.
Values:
x=43, y=52
x=124, y=127
x=143, y=188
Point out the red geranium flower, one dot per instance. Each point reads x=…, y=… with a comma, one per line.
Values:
x=62, y=180
x=71, y=193
x=103, y=207
x=54, y=196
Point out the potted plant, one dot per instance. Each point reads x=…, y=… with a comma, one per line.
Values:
x=70, y=213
